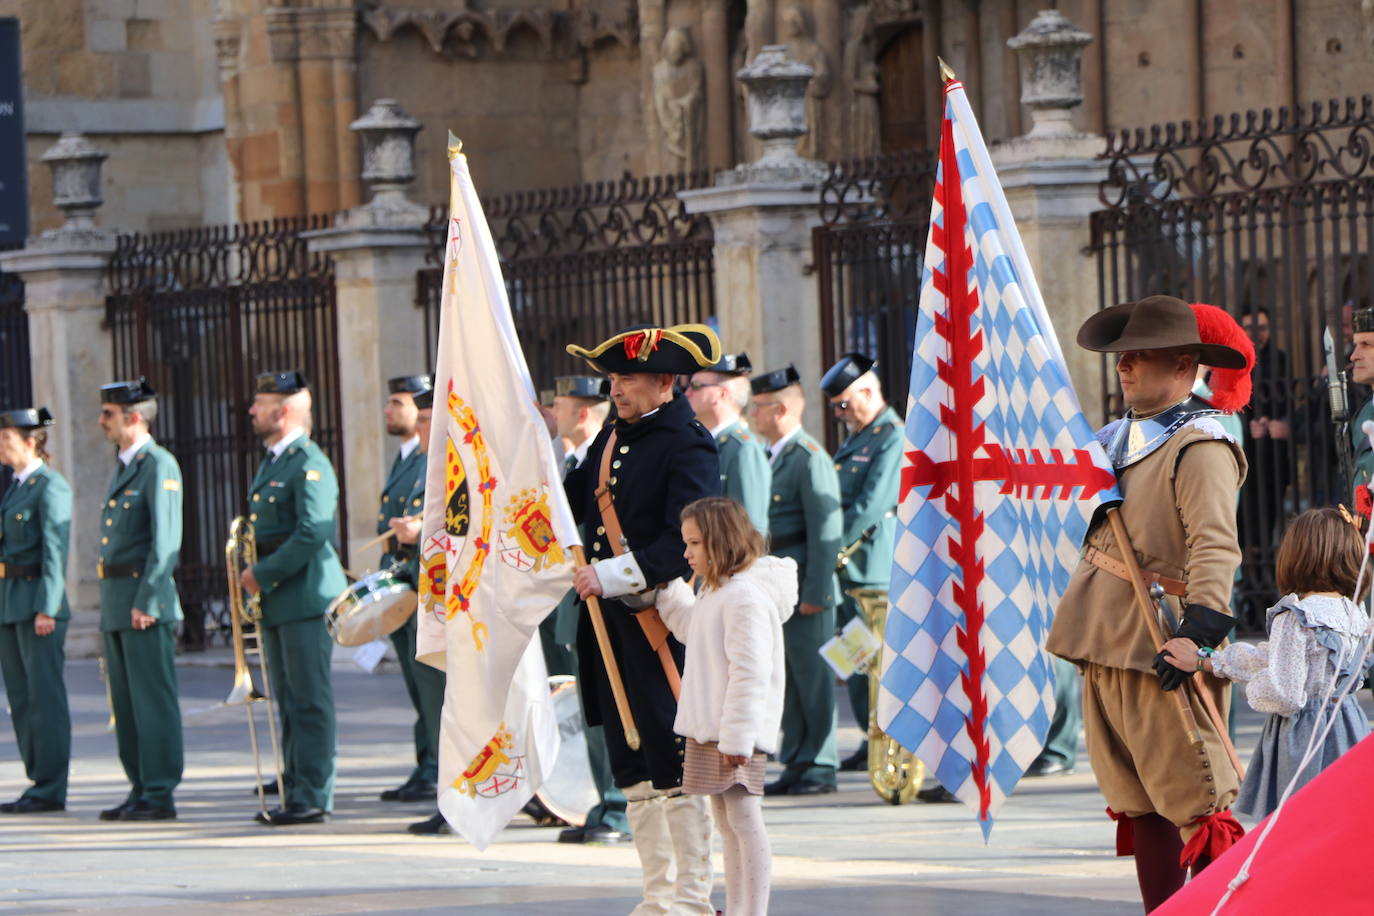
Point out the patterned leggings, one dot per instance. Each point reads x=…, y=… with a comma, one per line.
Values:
x=748, y=855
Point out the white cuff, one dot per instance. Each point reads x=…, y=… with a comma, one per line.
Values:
x=620, y=576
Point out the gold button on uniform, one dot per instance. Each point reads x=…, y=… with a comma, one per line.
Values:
x=111, y=504
x=837, y=465
x=104, y=540
x=615, y=463
x=624, y=450
x=253, y=517
x=600, y=529
x=612, y=481
x=108, y=521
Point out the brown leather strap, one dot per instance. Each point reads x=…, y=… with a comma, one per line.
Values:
x=1108, y=563
x=655, y=630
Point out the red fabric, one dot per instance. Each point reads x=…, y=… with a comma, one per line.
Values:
x=1364, y=503
x=635, y=344
x=1218, y=833
x=1315, y=860
x=1125, y=834
x=1230, y=387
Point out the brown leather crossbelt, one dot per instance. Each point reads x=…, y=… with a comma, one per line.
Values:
x=20, y=571
x=1109, y=563
x=655, y=630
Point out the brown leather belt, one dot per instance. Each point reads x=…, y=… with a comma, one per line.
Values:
x=20, y=571
x=1109, y=563
x=118, y=571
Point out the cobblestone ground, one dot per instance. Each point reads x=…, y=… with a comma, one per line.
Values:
x=1050, y=851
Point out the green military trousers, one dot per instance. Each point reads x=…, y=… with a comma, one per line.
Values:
x=808, y=750
x=425, y=684
x=141, y=667
x=32, y=668
x=298, y=656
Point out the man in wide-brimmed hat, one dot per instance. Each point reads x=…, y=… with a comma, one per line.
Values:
x=651, y=462
x=1179, y=472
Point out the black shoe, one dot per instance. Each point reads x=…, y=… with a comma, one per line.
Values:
x=28, y=805
x=147, y=811
x=113, y=814
x=599, y=833
x=811, y=788
x=292, y=814
x=268, y=788
x=410, y=792
x=431, y=826
x=778, y=786
x=856, y=762
x=541, y=815
x=1043, y=766
x=936, y=795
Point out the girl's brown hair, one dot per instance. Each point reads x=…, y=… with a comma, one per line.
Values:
x=1320, y=552
x=729, y=538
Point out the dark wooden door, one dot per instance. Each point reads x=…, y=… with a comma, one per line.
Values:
x=902, y=92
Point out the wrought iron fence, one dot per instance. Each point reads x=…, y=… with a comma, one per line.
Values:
x=16, y=386
x=199, y=312
x=869, y=252
x=1269, y=215
x=582, y=262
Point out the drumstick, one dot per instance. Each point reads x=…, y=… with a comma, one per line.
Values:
x=603, y=641
x=377, y=540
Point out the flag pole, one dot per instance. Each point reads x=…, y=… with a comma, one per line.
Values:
x=603, y=642
x=1142, y=601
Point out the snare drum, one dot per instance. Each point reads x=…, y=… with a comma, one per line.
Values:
x=569, y=791
x=375, y=606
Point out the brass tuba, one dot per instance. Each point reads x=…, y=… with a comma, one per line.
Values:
x=245, y=622
x=895, y=772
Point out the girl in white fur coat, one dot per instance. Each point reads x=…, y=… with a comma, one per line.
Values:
x=732, y=682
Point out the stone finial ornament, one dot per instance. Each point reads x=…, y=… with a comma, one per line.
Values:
x=1051, y=53
x=75, y=165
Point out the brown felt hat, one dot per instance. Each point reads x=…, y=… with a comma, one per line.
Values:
x=1153, y=323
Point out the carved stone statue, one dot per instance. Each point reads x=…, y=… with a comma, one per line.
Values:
x=758, y=28
x=679, y=85
x=802, y=47
x=862, y=69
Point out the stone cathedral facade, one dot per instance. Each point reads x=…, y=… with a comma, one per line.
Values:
x=228, y=110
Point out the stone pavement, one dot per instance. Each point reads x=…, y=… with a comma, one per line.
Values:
x=1050, y=851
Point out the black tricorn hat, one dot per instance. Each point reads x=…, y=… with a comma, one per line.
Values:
x=850, y=368
x=592, y=387
x=25, y=418
x=424, y=399
x=732, y=364
x=678, y=350
x=1362, y=321
x=1153, y=323
x=127, y=392
x=410, y=384
x=280, y=382
x=776, y=380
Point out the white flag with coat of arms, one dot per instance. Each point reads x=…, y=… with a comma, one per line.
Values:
x=496, y=540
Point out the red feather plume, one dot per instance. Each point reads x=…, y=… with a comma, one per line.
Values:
x=1230, y=387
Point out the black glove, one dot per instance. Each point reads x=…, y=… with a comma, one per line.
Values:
x=1170, y=678
x=1203, y=626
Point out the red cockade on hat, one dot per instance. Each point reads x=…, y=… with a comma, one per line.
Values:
x=1230, y=387
x=635, y=344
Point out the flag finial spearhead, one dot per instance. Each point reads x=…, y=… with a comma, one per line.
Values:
x=455, y=146
x=946, y=71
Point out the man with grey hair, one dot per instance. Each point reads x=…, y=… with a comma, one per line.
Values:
x=718, y=395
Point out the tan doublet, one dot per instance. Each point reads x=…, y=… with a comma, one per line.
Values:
x=1180, y=510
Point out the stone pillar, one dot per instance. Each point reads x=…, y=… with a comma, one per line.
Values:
x=377, y=249
x=71, y=356
x=762, y=214
x=1050, y=176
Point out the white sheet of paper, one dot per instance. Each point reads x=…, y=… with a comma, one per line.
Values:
x=853, y=650
x=369, y=655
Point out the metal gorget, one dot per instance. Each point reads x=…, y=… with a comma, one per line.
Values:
x=1130, y=439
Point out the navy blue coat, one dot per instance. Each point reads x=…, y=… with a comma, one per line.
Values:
x=665, y=461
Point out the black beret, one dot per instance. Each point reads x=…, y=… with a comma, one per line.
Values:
x=776, y=380
x=850, y=368
x=25, y=418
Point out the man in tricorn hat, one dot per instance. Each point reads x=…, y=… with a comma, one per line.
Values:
x=719, y=395
x=650, y=463
x=1179, y=472
x=293, y=505
x=140, y=544
x=868, y=462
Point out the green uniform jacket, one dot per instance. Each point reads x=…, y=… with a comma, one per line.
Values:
x=140, y=524
x=806, y=501
x=869, y=464
x=34, y=532
x=1364, y=459
x=744, y=472
x=293, y=502
x=403, y=494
